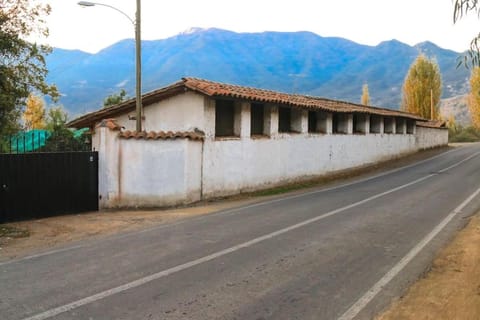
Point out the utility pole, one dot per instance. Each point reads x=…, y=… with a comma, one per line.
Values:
x=138, y=53
x=432, y=109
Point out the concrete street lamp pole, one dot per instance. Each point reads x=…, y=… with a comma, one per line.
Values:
x=138, y=54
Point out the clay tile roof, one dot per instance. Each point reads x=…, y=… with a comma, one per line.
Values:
x=127, y=134
x=152, y=135
x=161, y=135
x=438, y=124
x=217, y=89
x=110, y=124
x=140, y=135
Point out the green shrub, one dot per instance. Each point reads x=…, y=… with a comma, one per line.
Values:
x=461, y=134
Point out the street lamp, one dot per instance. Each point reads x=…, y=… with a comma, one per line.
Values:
x=138, y=54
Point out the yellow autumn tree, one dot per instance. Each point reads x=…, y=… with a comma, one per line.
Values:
x=422, y=88
x=451, y=121
x=473, y=100
x=365, y=100
x=34, y=115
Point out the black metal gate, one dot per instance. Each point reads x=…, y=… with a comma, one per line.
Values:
x=36, y=185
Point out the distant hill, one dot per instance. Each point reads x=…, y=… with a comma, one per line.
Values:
x=456, y=106
x=300, y=62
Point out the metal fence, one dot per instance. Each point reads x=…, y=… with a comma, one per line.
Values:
x=37, y=185
x=45, y=141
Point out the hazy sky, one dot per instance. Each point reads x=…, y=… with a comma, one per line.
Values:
x=363, y=21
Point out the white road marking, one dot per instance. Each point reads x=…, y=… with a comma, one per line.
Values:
x=361, y=303
x=107, y=293
x=458, y=163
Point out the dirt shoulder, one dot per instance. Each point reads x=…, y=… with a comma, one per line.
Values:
x=19, y=239
x=451, y=289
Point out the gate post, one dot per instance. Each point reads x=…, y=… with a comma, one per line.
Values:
x=105, y=140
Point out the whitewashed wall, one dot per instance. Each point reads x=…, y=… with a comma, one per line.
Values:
x=147, y=173
x=182, y=112
x=427, y=138
x=236, y=165
x=232, y=166
x=105, y=141
x=159, y=173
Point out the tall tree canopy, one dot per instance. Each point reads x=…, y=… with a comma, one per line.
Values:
x=62, y=138
x=473, y=100
x=114, y=99
x=56, y=119
x=461, y=9
x=34, y=115
x=365, y=100
x=22, y=63
x=422, y=87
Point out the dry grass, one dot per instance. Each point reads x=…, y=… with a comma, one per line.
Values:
x=451, y=289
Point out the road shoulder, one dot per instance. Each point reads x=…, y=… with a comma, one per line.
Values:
x=451, y=288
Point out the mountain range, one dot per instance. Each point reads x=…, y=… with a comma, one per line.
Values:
x=293, y=62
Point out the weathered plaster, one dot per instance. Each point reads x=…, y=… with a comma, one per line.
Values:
x=178, y=113
x=427, y=138
x=152, y=173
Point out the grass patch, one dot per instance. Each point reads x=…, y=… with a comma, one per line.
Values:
x=285, y=189
x=315, y=182
x=8, y=231
x=463, y=134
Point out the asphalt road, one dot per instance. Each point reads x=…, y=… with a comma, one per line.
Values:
x=337, y=253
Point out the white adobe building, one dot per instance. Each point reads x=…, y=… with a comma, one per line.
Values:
x=206, y=139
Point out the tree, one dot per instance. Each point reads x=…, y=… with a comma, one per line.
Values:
x=34, y=115
x=422, y=88
x=473, y=99
x=461, y=9
x=114, y=99
x=365, y=100
x=56, y=119
x=62, y=138
x=452, y=122
x=22, y=64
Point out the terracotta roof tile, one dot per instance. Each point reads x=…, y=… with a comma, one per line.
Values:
x=439, y=124
x=110, y=124
x=161, y=135
x=217, y=89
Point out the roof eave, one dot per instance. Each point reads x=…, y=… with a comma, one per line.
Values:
x=89, y=119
